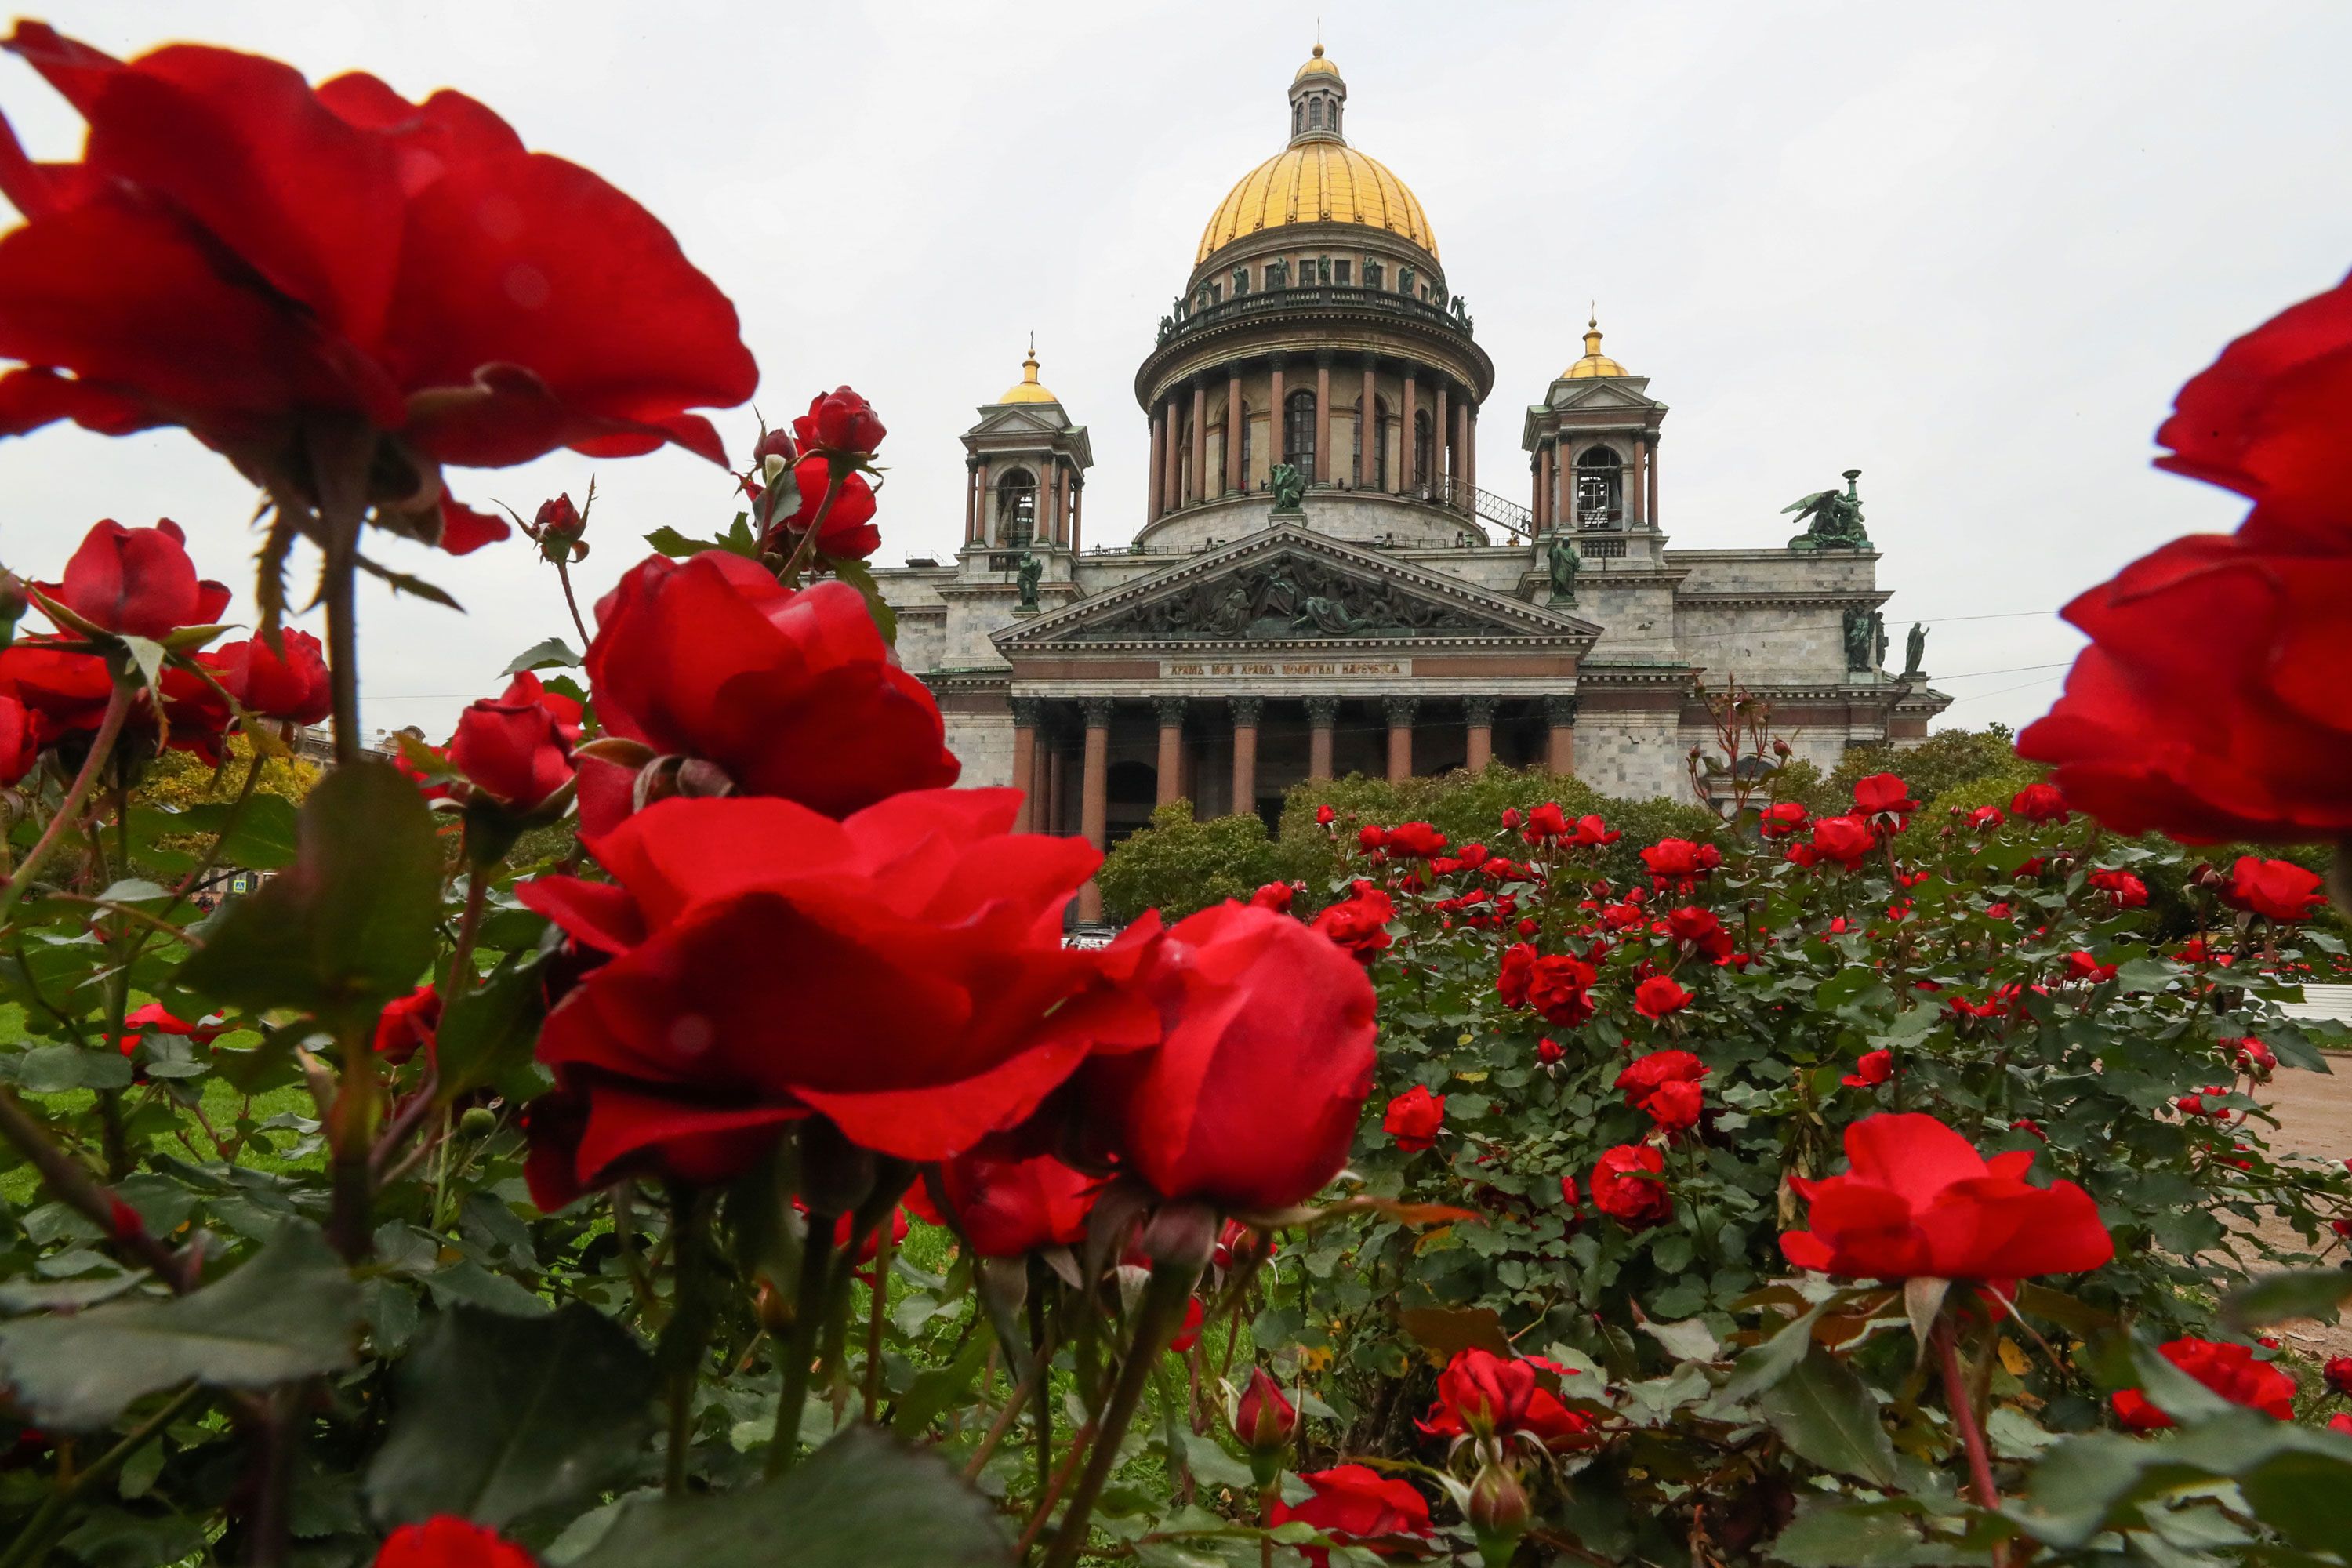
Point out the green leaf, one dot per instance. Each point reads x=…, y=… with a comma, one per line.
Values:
x=855, y=573
x=486, y=1036
x=1761, y=1366
x=1836, y=1535
x=289, y=1312
x=863, y=1500
x=54, y=1069
x=2146, y=974
x=1209, y=1463
x=552, y=654
x=738, y=540
x=1689, y=1339
x=2275, y=1297
x=1827, y=1418
x=115, y=1538
x=351, y=924
x=497, y=1416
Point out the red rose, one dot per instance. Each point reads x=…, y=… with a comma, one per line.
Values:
x=1659, y=995
x=1007, y=1208
x=838, y=421
x=1354, y=1504
x=514, y=747
x=1591, y=833
x=1263, y=1420
x=1984, y=818
x=1675, y=1107
x=1781, y=819
x=1414, y=1118
x=847, y=529
x=2124, y=891
x=2083, y=966
x=2338, y=1375
x=1371, y=836
x=1844, y=839
x=1875, y=1067
x=1360, y=923
x=1884, y=795
x=791, y=694
x=1480, y=1393
x=1665, y=1086
x=1551, y=1053
x=136, y=581
x=1623, y=1189
x=2040, y=803
x=2254, y=1058
x=1919, y=1200
x=1323, y=815
x=1250, y=1099
x=2230, y=1371
x=1559, y=987
x=1546, y=821
x=900, y=971
x=1679, y=862
x=445, y=1540
x=1189, y=1335
x=1417, y=840
x=1700, y=930
x=20, y=740
x=246, y=256
x=1274, y=896
x=67, y=692
x=408, y=1025
x=295, y=687
x=2276, y=890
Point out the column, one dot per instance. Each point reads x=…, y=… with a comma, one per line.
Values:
x=1170, y=712
x=1094, y=794
x=1274, y=453
x=1368, y=431
x=1198, y=487
x=1400, y=711
x=1323, y=418
x=1408, y=423
x=1322, y=714
x=1049, y=808
x=1560, y=713
x=1061, y=504
x=1563, y=483
x=1635, y=481
x=1173, y=481
x=1077, y=511
x=1025, y=761
x=1465, y=470
x=1159, y=437
x=1470, y=445
x=1650, y=486
x=1440, y=435
x=970, y=501
x=1542, y=507
x=1478, y=718
x=1246, y=712
x=987, y=496
x=1232, y=430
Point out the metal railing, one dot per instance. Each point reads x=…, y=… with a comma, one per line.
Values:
x=1316, y=296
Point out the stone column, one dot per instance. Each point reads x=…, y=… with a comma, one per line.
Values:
x=1652, y=486
x=1465, y=463
x=1440, y=440
x=987, y=501
x=1478, y=718
x=1560, y=713
x=1634, y=482
x=1094, y=795
x=1198, y=490
x=971, y=500
x=1232, y=430
x=1151, y=506
x=1174, y=479
x=1323, y=418
x=1322, y=713
x=1368, y=431
x=1408, y=427
x=1170, y=712
x=1274, y=453
x=1246, y=712
x=1542, y=507
x=1025, y=761
x=1400, y=711
x=1049, y=806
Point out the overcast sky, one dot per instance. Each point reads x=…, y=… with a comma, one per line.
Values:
x=1969, y=249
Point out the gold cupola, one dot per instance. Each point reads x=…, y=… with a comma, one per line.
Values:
x=1028, y=389
x=1594, y=362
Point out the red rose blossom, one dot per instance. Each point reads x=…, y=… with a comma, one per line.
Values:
x=408, y=1025
x=1781, y=819
x=2337, y=1374
x=2124, y=891
x=791, y=694
x=20, y=740
x=1885, y=795
x=254, y=258
x=136, y=581
x=1874, y=1067
x=1007, y=1208
x=444, y=1541
x=514, y=747
x=1846, y=840
x=1678, y=863
x=2230, y=1371
x=847, y=530
x=295, y=687
x=1274, y=896
x=2040, y=803
x=1658, y=995
x=1646, y=1077
x=1917, y=1200
x=1263, y=1420
x=2276, y=890
x=839, y=421
x=1413, y=1118
x=1623, y=1187
x=1417, y=840
x=1354, y=1504
x=900, y=971
x=1360, y=923
x=1480, y=1393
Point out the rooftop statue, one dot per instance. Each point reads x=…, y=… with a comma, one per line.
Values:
x=1027, y=576
x=1563, y=561
x=1288, y=485
x=1833, y=520
x=1914, y=650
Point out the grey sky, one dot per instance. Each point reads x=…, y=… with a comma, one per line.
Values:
x=1971, y=249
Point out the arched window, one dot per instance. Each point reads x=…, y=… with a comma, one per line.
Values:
x=1299, y=431
x=1016, y=508
x=1600, y=488
x=1422, y=447
x=1297, y=118
x=1315, y=115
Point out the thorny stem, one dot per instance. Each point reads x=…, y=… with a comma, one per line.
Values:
x=273, y=1457
x=341, y=592
x=835, y=475
x=880, y=1293
x=799, y=1348
x=73, y=1184
x=93, y=766
x=469, y=925
x=564, y=576
x=690, y=1325
x=1051, y=1492
x=1156, y=1322
x=350, y=1120
x=1041, y=1344
x=1964, y=1416
x=1015, y=1402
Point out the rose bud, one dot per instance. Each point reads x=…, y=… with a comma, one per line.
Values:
x=839, y=421
x=1264, y=1421
x=2337, y=1374
x=1498, y=1513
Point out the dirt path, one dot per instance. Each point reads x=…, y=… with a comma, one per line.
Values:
x=2314, y=1113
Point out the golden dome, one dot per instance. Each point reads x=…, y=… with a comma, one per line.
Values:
x=1317, y=182
x=1027, y=389
x=1594, y=362
x=1316, y=66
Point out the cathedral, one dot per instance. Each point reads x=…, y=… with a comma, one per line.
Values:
x=1322, y=584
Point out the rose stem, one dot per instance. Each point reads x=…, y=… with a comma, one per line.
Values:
x=1041, y=1350
x=880, y=1293
x=1964, y=1415
x=800, y=1348
x=117, y=708
x=1156, y=1324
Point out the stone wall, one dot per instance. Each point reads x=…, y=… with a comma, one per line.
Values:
x=982, y=742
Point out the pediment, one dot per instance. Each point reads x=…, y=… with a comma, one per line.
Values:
x=1603, y=392
x=1289, y=585
x=1021, y=419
